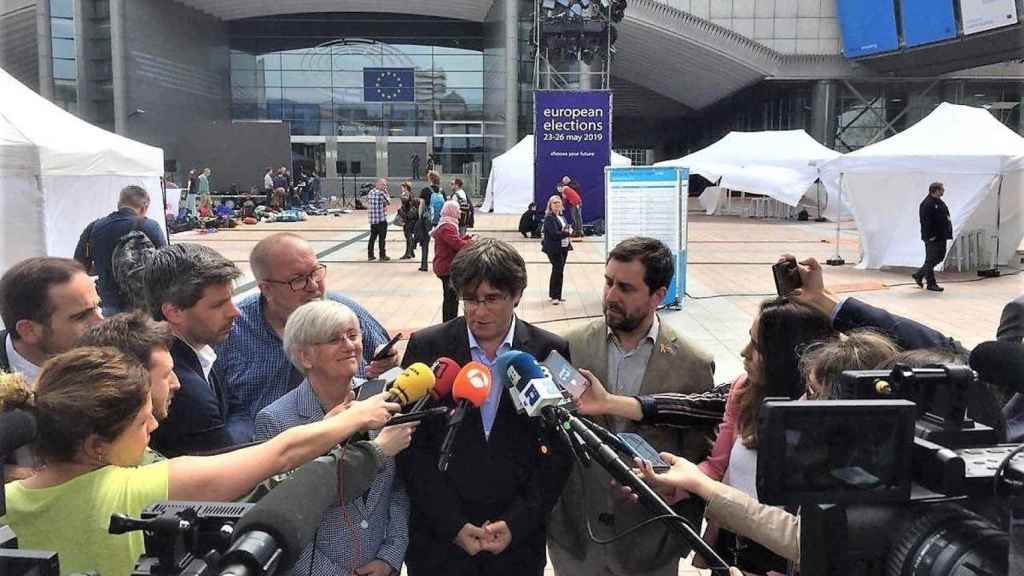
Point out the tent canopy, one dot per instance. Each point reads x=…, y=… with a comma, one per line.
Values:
x=779, y=164
x=510, y=184
x=58, y=173
x=974, y=155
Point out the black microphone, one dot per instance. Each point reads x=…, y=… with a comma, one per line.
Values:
x=1001, y=364
x=271, y=536
x=17, y=428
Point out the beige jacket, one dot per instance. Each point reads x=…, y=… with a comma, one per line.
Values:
x=771, y=527
x=676, y=365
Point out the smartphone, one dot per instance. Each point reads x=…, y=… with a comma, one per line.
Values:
x=387, y=348
x=787, y=277
x=371, y=387
x=435, y=412
x=567, y=377
x=641, y=449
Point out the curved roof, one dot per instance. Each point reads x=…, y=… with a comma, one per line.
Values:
x=475, y=10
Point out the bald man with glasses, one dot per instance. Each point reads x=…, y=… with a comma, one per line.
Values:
x=252, y=361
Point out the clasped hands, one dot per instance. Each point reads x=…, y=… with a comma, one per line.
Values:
x=493, y=537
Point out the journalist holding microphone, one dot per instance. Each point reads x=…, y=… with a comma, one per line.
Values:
x=95, y=415
x=368, y=536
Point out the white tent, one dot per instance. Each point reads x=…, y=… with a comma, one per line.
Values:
x=510, y=184
x=780, y=164
x=976, y=157
x=58, y=173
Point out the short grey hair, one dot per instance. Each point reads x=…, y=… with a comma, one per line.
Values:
x=314, y=323
x=179, y=273
x=133, y=197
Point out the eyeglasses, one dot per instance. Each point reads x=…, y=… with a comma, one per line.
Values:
x=489, y=302
x=303, y=281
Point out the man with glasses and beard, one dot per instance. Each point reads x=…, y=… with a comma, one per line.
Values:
x=252, y=362
x=635, y=353
x=485, y=514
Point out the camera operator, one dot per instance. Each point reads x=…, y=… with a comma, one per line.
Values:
x=739, y=511
x=94, y=414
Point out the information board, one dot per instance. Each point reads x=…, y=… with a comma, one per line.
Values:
x=867, y=26
x=650, y=201
x=926, y=21
x=982, y=15
x=572, y=137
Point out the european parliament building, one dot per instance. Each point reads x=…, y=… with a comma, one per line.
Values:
x=381, y=87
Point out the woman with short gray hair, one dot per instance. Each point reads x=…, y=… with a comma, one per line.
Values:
x=369, y=536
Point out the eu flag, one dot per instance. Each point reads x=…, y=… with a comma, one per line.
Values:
x=389, y=84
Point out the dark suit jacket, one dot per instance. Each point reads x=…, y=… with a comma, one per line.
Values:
x=934, y=216
x=505, y=477
x=1011, y=322
x=909, y=334
x=195, y=421
x=5, y=362
x=553, y=234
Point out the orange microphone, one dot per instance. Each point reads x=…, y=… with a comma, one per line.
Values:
x=472, y=386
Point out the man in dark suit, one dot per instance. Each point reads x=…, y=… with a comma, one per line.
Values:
x=936, y=228
x=189, y=287
x=486, y=514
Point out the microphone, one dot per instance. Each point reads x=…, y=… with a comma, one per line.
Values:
x=17, y=428
x=275, y=531
x=472, y=386
x=529, y=383
x=1000, y=364
x=445, y=370
x=412, y=384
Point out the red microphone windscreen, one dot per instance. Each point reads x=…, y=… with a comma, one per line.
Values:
x=445, y=370
x=473, y=383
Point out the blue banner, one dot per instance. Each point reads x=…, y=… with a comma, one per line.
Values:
x=572, y=137
x=389, y=84
x=926, y=21
x=867, y=26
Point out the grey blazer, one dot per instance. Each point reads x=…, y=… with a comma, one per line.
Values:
x=378, y=521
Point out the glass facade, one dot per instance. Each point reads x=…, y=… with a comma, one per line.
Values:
x=308, y=71
x=65, y=60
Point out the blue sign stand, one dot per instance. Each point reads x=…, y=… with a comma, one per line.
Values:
x=651, y=202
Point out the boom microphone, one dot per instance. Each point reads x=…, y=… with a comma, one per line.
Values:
x=274, y=532
x=472, y=386
x=412, y=384
x=1000, y=364
x=445, y=370
x=17, y=428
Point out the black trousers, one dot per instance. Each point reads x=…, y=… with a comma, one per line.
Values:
x=409, y=229
x=450, y=304
x=934, y=253
x=378, y=232
x=425, y=248
x=557, y=260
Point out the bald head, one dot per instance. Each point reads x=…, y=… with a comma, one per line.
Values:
x=274, y=250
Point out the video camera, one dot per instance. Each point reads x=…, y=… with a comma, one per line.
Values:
x=893, y=477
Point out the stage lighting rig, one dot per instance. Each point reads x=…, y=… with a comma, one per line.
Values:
x=574, y=41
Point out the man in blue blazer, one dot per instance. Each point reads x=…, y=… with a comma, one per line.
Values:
x=189, y=286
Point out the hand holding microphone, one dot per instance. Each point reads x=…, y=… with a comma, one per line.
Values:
x=372, y=413
x=394, y=439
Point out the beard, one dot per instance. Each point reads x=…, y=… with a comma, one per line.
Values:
x=623, y=321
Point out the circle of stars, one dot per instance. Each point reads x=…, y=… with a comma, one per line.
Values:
x=389, y=91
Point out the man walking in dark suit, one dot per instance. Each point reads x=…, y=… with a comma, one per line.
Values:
x=936, y=229
x=486, y=514
x=189, y=287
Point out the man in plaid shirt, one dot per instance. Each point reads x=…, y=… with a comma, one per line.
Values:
x=377, y=202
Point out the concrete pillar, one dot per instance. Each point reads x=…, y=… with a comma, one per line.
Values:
x=824, y=100
x=511, y=23
x=45, y=43
x=83, y=35
x=119, y=65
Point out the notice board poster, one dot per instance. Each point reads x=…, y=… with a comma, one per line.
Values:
x=650, y=201
x=926, y=21
x=867, y=26
x=572, y=137
x=982, y=15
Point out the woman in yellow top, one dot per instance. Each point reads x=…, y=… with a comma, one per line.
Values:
x=94, y=417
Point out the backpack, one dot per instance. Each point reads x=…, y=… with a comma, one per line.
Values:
x=128, y=262
x=83, y=251
x=436, y=203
